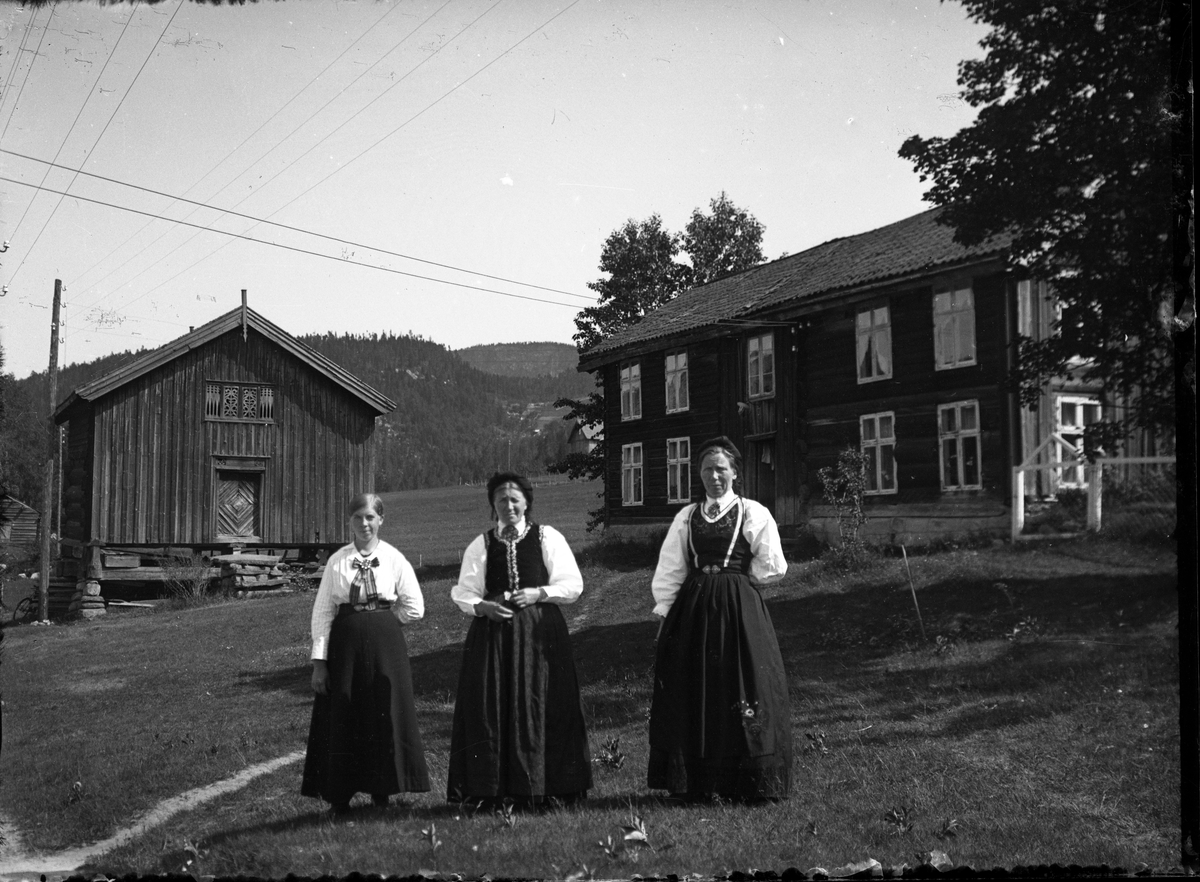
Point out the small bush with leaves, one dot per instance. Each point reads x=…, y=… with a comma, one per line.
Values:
x=1073, y=501
x=611, y=754
x=845, y=486
x=187, y=579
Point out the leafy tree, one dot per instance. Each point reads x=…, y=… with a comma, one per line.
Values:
x=726, y=241
x=643, y=274
x=1070, y=153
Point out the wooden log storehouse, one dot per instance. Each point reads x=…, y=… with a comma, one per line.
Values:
x=233, y=439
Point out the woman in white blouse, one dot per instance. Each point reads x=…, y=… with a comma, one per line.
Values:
x=518, y=730
x=364, y=736
x=719, y=719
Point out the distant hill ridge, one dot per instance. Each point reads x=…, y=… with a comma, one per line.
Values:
x=454, y=422
x=521, y=359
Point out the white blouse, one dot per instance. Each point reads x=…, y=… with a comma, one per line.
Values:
x=395, y=580
x=767, y=565
x=566, y=582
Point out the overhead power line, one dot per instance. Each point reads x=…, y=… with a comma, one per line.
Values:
x=294, y=229
x=292, y=248
x=415, y=116
x=111, y=117
x=318, y=143
x=263, y=155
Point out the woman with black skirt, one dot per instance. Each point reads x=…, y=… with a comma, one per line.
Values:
x=719, y=720
x=518, y=728
x=364, y=736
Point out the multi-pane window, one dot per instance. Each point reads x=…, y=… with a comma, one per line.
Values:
x=953, y=327
x=677, y=381
x=958, y=438
x=878, y=433
x=239, y=401
x=679, y=469
x=631, y=390
x=631, y=474
x=1074, y=414
x=760, y=366
x=873, y=329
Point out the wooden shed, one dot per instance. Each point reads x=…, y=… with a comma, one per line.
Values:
x=18, y=526
x=234, y=437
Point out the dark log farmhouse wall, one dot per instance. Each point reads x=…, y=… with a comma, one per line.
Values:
x=836, y=399
x=154, y=456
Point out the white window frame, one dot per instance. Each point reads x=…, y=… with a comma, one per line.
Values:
x=679, y=469
x=1073, y=476
x=954, y=326
x=873, y=343
x=676, y=369
x=631, y=390
x=958, y=435
x=632, y=472
x=760, y=366
x=873, y=442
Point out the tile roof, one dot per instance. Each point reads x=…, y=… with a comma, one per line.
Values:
x=912, y=245
x=219, y=326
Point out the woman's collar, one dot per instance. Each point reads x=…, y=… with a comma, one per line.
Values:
x=723, y=503
x=520, y=525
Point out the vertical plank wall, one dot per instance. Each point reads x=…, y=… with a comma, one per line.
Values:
x=154, y=453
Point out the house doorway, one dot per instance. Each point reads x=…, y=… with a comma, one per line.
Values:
x=759, y=468
x=239, y=504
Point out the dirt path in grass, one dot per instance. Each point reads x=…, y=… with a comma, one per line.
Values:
x=17, y=863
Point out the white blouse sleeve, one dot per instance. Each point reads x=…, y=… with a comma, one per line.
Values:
x=471, y=588
x=768, y=564
x=409, y=605
x=324, y=611
x=566, y=582
x=672, y=567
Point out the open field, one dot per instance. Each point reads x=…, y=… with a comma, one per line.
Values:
x=1038, y=723
x=433, y=527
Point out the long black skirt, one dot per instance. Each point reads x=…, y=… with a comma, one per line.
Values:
x=719, y=719
x=364, y=736
x=518, y=719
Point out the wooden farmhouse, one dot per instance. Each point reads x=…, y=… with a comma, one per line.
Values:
x=234, y=438
x=896, y=342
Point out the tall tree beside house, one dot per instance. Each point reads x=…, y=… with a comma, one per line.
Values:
x=725, y=241
x=1070, y=152
x=643, y=274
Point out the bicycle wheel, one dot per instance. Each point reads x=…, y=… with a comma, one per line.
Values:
x=26, y=611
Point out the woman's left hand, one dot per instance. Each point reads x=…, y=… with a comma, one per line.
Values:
x=525, y=597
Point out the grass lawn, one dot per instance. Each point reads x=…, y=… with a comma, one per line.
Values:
x=1037, y=724
x=434, y=527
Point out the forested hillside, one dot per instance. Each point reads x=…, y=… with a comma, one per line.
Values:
x=453, y=423
x=522, y=359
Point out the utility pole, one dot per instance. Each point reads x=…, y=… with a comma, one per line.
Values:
x=51, y=457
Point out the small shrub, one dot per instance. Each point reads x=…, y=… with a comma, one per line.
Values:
x=845, y=487
x=1073, y=501
x=187, y=579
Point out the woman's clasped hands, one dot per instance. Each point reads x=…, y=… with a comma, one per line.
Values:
x=513, y=600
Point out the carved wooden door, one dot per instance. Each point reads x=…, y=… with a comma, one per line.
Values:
x=238, y=505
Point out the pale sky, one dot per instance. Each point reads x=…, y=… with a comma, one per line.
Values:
x=502, y=138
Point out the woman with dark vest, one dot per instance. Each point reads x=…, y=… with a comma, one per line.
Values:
x=719, y=719
x=518, y=728
x=364, y=736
